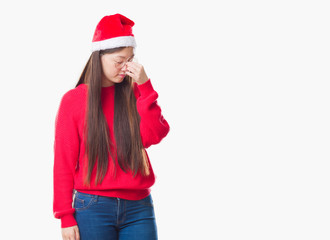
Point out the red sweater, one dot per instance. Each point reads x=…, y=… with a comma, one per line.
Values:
x=69, y=148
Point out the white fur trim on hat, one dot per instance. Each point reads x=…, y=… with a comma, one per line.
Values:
x=125, y=41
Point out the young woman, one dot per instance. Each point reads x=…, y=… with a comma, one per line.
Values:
x=102, y=172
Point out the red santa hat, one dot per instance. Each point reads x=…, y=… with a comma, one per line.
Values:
x=113, y=31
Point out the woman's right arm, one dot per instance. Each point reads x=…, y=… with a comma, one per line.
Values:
x=70, y=233
x=66, y=152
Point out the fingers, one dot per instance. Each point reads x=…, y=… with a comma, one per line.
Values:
x=69, y=236
x=77, y=233
x=132, y=71
x=131, y=75
x=136, y=71
x=133, y=66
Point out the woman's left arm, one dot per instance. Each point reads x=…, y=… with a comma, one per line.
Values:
x=153, y=126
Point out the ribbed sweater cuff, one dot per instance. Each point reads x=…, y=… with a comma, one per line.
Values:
x=145, y=88
x=68, y=220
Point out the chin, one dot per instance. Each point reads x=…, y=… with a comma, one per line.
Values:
x=116, y=80
x=121, y=78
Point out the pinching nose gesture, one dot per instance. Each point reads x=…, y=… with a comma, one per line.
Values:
x=136, y=71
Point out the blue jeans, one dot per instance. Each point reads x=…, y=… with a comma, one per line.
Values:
x=111, y=218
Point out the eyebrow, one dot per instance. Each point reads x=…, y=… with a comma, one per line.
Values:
x=124, y=57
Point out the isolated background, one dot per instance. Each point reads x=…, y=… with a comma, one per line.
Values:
x=244, y=86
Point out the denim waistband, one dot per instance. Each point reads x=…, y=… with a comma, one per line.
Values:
x=99, y=196
x=94, y=196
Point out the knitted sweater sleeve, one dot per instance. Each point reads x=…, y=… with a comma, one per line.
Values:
x=66, y=150
x=153, y=126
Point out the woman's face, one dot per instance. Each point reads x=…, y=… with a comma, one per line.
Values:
x=114, y=66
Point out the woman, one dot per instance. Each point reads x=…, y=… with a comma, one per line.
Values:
x=102, y=172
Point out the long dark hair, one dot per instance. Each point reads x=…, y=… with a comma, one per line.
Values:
x=128, y=145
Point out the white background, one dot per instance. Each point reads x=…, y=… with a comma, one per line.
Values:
x=244, y=86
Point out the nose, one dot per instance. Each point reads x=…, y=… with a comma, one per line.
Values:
x=124, y=68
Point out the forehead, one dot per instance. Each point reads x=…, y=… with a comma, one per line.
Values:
x=125, y=53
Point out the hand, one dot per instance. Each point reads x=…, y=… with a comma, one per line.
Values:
x=136, y=71
x=70, y=233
